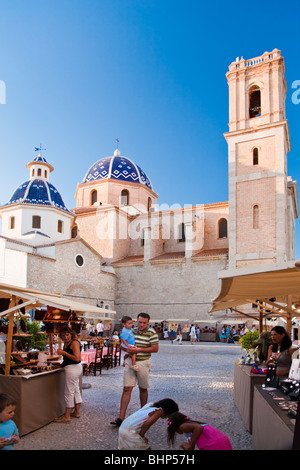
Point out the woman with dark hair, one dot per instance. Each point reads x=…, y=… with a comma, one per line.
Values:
x=281, y=351
x=73, y=370
x=133, y=429
x=199, y=436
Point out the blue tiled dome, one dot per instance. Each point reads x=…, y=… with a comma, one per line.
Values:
x=40, y=192
x=118, y=168
x=40, y=159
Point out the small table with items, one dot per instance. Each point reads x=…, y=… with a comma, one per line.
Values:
x=274, y=419
x=244, y=382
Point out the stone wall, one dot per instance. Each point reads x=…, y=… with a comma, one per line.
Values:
x=86, y=283
x=168, y=290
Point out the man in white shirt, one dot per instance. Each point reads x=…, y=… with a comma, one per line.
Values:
x=100, y=328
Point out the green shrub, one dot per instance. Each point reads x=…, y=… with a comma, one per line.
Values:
x=248, y=339
x=36, y=340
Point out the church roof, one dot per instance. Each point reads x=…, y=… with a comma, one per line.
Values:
x=119, y=168
x=40, y=192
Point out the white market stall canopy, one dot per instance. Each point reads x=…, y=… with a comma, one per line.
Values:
x=275, y=292
x=176, y=320
x=30, y=298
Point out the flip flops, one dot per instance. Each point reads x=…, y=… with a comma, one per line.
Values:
x=117, y=422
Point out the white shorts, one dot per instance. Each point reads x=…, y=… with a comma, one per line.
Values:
x=141, y=377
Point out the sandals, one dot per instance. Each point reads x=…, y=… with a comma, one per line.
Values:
x=61, y=420
x=117, y=422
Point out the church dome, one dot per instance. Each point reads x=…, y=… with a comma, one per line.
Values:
x=117, y=168
x=38, y=190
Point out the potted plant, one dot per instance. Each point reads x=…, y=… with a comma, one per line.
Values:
x=248, y=339
x=36, y=340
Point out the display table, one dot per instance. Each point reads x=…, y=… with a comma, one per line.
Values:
x=209, y=337
x=244, y=383
x=40, y=398
x=272, y=428
x=203, y=337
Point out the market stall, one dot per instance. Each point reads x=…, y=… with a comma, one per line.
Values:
x=273, y=425
x=277, y=294
x=244, y=382
x=173, y=325
x=40, y=398
x=33, y=378
x=208, y=330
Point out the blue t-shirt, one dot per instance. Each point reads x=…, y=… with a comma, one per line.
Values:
x=7, y=429
x=127, y=335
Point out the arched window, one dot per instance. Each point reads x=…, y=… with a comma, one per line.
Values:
x=255, y=156
x=255, y=216
x=124, y=197
x=39, y=173
x=36, y=221
x=46, y=173
x=254, y=102
x=93, y=197
x=32, y=174
x=74, y=231
x=149, y=203
x=222, y=228
x=181, y=233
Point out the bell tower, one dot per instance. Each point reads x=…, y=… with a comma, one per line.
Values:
x=262, y=198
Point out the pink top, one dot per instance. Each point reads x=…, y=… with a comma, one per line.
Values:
x=213, y=439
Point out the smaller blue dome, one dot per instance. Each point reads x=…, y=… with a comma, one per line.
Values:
x=39, y=192
x=40, y=159
x=118, y=168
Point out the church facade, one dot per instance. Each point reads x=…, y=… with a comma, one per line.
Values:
x=120, y=248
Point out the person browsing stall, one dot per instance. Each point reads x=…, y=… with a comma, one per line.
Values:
x=146, y=343
x=73, y=371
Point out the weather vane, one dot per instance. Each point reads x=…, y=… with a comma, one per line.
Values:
x=117, y=143
x=38, y=149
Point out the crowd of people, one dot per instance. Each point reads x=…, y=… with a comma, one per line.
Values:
x=227, y=334
x=133, y=428
x=230, y=334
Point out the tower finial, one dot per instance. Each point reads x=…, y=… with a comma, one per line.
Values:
x=36, y=149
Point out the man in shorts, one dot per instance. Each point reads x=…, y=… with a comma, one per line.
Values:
x=146, y=343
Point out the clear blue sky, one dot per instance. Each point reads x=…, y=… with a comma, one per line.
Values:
x=81, y=73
